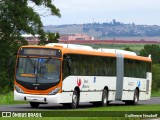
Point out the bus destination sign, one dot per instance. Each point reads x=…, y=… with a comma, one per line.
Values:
x=40, y=52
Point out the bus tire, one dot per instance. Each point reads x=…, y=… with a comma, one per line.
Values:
x=104, y=101
x=67, y=105
x=135, y=98
x=127, y=102
x=75, y=100
x=96, y=104
x=34, y=104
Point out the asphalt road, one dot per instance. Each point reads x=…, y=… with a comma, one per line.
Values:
x=42, y=107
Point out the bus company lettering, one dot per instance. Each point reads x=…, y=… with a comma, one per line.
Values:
x=131, y=83
x=85, y=81
x=138, y=83
x=85, y=84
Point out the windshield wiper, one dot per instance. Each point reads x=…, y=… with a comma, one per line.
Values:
x=30, y=61
x=33, y=66
x=42, y=64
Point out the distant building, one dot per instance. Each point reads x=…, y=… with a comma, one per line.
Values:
x=75, y=37
x=31, y=39
x=34, y=39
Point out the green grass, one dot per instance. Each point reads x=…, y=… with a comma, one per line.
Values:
x=8, y=98
x=72, y=118
x=155, y=93
x=128, y=108
x=98, y=110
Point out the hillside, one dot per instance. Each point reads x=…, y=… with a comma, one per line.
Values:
x=110, y=30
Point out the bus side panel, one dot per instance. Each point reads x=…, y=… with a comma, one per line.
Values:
x=66, y=97
x=90, y=96
x=129, y=86
x=91, y=87
x=147, y=94
x=144, y=96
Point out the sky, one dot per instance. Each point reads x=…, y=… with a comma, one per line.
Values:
x=144, y=12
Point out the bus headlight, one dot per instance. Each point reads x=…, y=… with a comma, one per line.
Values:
x=55, y=91
x=18, y=89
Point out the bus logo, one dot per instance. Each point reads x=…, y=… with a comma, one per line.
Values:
x=138, y=83
x=79, y=82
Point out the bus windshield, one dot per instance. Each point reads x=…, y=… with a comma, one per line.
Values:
x=38, y=70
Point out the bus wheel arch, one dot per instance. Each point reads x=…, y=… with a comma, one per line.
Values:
x=75, y=98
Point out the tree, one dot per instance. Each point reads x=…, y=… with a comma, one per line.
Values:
x=128, y=49
x=50, y=38
x=16, y=16
x=156, y=77
x=53, y=37
x=153, y=50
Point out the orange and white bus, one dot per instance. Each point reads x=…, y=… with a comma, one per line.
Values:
x=69, y=74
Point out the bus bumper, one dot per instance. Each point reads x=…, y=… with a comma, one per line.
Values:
x=37, y=98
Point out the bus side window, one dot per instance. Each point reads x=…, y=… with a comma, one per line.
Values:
x=66, y=68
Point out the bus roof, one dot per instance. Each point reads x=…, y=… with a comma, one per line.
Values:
x=87, y=50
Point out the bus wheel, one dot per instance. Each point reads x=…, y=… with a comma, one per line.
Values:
x=75, y=100
x=104, y=98
x=34, y=104
x=136, y=98
x=127, y=102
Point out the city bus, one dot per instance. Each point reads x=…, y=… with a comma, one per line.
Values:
x=69, y=74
